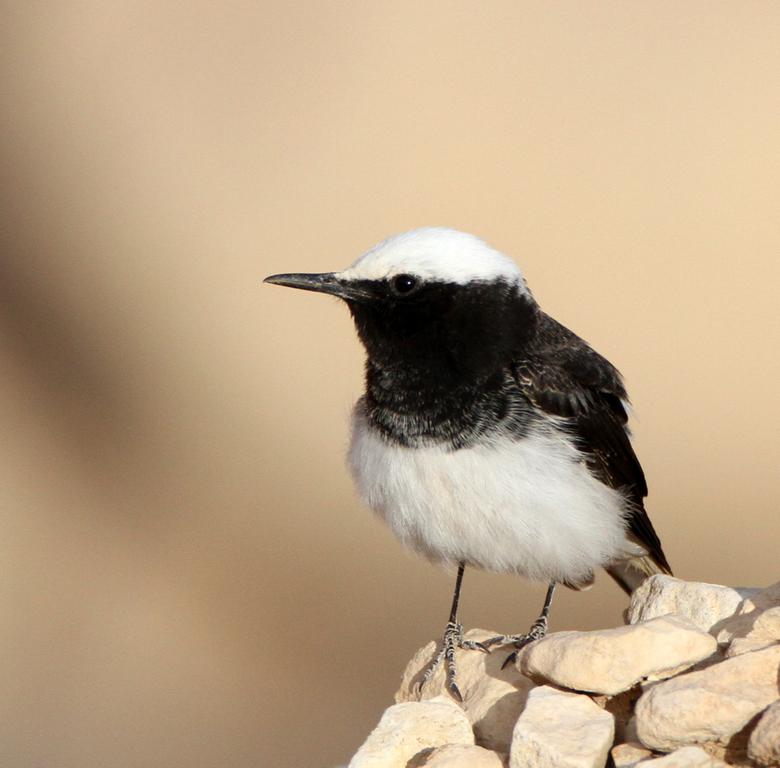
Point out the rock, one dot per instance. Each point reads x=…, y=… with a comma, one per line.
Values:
x=613, y=660
x=492, y=698
x=685, y=757
x=464, y=756
x=703, y=604
x=630, y=735
x=621, y=707
x=762, y=599
x=558, y=729
x=756, y=624
x=709, y=705
x=629, y=755
x=764, y=743
x=698, y=666
x=740, y=645
x=767, y=625
x=753, y=624
x=407, y=729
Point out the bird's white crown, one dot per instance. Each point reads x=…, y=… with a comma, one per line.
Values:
x=435, y=253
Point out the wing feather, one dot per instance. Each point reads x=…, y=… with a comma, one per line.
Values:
x=562, y=375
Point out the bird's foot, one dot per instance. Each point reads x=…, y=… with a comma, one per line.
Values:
x=453, y=638
x=537, y=631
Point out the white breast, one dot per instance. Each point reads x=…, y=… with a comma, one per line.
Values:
x=527, y=506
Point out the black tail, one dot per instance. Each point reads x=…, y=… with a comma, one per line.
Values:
x=629, y=574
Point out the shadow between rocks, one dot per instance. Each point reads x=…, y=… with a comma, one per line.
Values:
x=419, y=760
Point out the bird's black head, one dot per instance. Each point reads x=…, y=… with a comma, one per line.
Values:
x=433, y=307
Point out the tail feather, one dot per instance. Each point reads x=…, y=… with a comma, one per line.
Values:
x=629, y=574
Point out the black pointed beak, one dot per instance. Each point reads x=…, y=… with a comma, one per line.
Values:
x=324, y=282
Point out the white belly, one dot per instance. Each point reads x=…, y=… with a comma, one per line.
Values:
x=525, y=506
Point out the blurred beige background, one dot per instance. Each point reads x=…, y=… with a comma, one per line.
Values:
x=187, y=577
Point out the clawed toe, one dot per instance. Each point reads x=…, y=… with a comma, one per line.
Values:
x=496, y=640
x=452, y=640
x=537, y=631
x=519, y=641
x=500, y=640
x=473, y=645
x=455, y=691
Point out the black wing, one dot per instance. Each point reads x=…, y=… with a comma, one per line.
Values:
x=564, y=377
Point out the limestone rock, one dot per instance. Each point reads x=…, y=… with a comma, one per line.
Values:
x=464, y=756
x=630, y=735
x=613, y=660
x=704, y=604
x=767, y=624
x=756, y=624
x=751, y=623
x=558, y=729
x=685, y=757
x=762, y=599
x=709, y=705
x=621, y=707
x=764, y=743
x=492, y=698
x=740, y=645
x=407, y=729
x=629, y=755
x=641, y=689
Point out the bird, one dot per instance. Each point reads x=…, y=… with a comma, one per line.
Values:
x=489, y=435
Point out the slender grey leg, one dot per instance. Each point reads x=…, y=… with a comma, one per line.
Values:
x=453, y=638
x=537, y=631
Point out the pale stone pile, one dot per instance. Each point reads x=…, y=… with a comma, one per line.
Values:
x=692, y=681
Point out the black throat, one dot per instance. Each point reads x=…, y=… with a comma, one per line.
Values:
x=439, y=362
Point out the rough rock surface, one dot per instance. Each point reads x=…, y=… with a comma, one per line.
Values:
x=712, y=704
x=613, y=660
x=407, y=729
x=543, y=734
x=764, y=744
x=685, y=757
x=628, y=755
x=756, y=624
x=740, y=645
x=464, y=756
x=704, y=604
x=492, y=697
x=702, y=685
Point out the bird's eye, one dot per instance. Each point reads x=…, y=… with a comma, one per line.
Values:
x=403, y=284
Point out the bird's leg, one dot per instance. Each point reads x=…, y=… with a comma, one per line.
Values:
x=453, y=638
x=537, y=631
